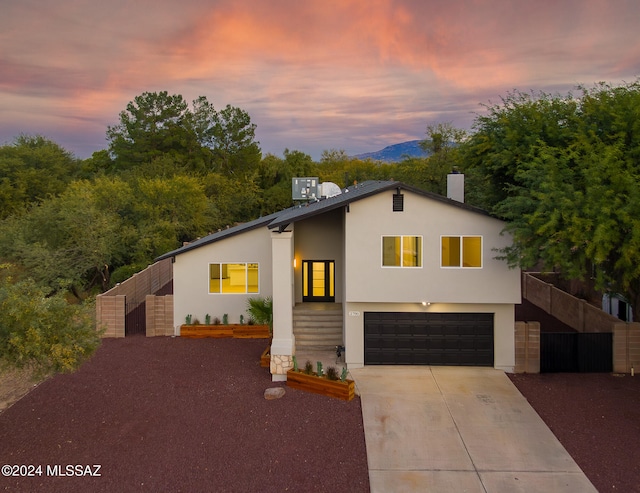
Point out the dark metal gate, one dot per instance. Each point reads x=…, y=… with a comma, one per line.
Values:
x=576, y=352
x=135, y=320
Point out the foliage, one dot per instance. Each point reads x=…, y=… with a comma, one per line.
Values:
x=43, y=331
x=187, y=319
x=563, y=172
x=319, y=368
x=207, y=319
x=32, y=169
x=331, y=373
x=64, y=242
x=159, y=126
x=261, y=310
x=308, y=368
x=343, y=374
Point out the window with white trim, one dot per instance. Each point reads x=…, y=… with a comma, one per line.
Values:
x=461, y=251
x=233, y=278
x=402, y=251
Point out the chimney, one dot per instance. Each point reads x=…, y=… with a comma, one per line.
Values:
x=455, y=186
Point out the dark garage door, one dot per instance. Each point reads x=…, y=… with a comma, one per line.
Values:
x=406, y=338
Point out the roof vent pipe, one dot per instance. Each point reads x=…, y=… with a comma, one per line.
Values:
x=455, y=186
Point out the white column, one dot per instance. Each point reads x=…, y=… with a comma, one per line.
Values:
x=283, y=342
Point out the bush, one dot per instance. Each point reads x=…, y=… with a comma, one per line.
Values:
x=46, y=332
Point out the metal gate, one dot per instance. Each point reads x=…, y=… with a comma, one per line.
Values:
x=576, y=352
x=135, y=320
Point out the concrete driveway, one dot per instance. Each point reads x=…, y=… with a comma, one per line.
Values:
x=445, y=429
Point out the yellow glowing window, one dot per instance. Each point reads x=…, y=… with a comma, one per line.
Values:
x=402, y=251
x=461, y=251
x=233, y=278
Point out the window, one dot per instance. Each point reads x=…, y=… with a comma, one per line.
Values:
x=461, y=251
x=402, y=251
x=235, y=278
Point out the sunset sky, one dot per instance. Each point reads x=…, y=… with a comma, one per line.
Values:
x=356, y=75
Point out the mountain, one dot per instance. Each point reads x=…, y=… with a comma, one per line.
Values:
x=396, y=152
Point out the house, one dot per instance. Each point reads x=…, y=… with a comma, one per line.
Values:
x=411, y=276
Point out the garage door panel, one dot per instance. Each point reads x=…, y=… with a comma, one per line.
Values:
x=406, y=338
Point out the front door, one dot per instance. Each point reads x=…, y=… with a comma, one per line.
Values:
x=318, y=280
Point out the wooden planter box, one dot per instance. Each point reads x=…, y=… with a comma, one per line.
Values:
x=236, y=331
x=265, y=358
x=320, y=385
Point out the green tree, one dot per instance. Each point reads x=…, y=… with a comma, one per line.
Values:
x=31, y=169
x=563, y=172
x=154, y=124
x=443, y=146
x=41, y=330
x=230, y=136
x=63, y=242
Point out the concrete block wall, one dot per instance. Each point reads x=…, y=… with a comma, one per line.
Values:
x=159, y=313
x=576, y=313
x=626, y=347
x=527, y=340
x=110, y=315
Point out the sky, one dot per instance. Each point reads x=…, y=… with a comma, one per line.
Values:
x=314, y=75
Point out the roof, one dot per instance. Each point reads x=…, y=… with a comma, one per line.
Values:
x=285, y=217
x=357, y=192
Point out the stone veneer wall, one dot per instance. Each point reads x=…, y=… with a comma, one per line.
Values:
x=280, y=364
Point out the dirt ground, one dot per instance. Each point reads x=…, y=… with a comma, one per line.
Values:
x=14, y=384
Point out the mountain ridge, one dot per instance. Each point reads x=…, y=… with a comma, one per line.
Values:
x=395, y=152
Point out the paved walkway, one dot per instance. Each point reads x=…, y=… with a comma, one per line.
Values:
x=446, y=429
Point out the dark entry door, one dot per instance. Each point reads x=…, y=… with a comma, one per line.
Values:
x=318, y=280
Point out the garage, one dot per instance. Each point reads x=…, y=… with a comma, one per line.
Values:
x=439, y=339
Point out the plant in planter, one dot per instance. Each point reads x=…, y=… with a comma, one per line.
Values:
x=332, y=373
x=225, y=319
x=328, y=384
x=187, y=319
x=261, y=311
x=216, y=321
x=207, y=319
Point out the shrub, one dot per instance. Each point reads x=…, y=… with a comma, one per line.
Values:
x=332, y=373
x=308, y=367
x=46, y=332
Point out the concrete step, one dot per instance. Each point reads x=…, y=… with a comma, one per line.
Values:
x=317, y=329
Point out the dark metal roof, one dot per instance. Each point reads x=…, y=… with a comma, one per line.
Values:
x=348, y=195
x=225, y=233
x=357, y=192
x=285, y=217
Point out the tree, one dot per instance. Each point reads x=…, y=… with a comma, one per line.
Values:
x=563, y=172
x=41, y=330
x=31, y=169
x=442, y=144
x=154, y=124
x=65, y=242
x=230, y=136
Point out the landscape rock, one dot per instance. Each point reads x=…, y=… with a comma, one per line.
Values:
x=274, y=393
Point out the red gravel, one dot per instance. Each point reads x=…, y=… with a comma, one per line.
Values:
x=171, y=414
x=165, y=414
x=596, y=416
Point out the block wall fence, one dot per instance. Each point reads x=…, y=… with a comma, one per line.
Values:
x=111, y=305
x=580, y=316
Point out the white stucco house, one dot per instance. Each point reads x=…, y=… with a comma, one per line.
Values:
x=412, y=276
